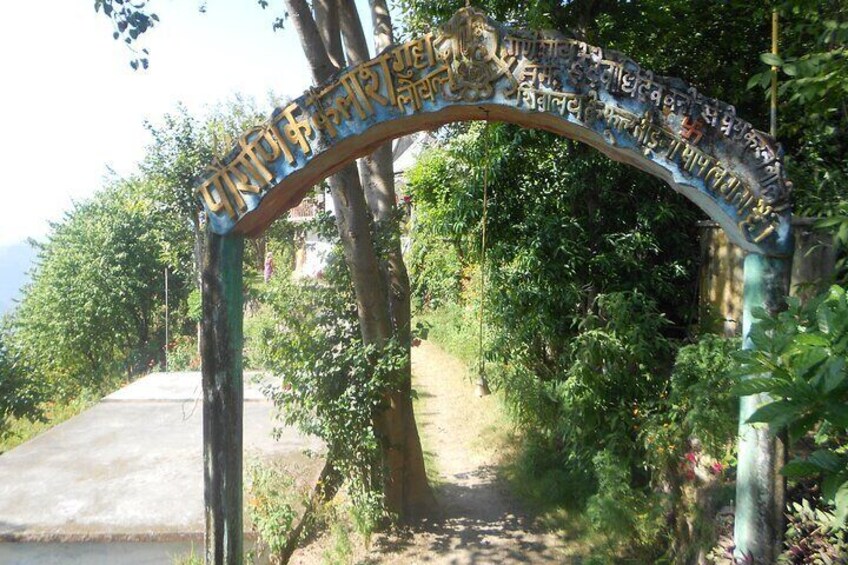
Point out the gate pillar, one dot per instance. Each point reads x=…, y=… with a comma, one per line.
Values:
x=223, y=396
x=760, y=488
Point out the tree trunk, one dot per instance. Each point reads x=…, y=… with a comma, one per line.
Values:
x=381, y=313
x=407, y=486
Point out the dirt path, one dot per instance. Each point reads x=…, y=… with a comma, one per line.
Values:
x=481, y=522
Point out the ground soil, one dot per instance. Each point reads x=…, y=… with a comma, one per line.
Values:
x=480, y=521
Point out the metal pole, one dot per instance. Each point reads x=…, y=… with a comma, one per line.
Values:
x=167, y=321
x=760, y=488
x=773, y=112
x=482, y=382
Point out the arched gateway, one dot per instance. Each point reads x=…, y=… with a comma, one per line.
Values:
x=472, y=68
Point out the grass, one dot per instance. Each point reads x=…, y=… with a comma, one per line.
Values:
x=191, y=558
x=340, y=551
x=431, y=462
x=454, y=328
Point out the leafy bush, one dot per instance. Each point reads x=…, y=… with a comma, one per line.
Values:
x=272, y=507
x=20, y=393
x=799, y=360
x=329, y=383
x=260, y=328
x=814, y=536
x=698, y=406
x=437, y=271
x=103, y=268
x=629, y=517
x=183, y=354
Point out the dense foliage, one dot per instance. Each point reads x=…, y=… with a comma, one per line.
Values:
x=813, y=86
x=95, y=306
x=591, y=266
x=20, y=391
x=800, y=361
x=327, y=382
x=626, y=412
x=591, y=284
x=94, y=311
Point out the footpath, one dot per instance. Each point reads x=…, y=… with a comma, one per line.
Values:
x=480, y=521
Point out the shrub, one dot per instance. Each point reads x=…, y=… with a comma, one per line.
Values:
x=698, y=411
x=20, y=393
x=800, y=363
x=183, y=354
x=272, y=507
x=813, y=536
x=329, y=383
x=630, y=518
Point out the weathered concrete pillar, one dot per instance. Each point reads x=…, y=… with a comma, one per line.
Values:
x=223, y=395
x=760, y=489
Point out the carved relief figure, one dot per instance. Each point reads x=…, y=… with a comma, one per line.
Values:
x=469, y=46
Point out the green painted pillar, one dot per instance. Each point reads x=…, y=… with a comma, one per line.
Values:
x=223, y=397
x=760, y=489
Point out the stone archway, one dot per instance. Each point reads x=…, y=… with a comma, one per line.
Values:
x=472, y=68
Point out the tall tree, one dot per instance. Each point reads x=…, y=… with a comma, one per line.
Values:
x=382, y=288
x=364, y=198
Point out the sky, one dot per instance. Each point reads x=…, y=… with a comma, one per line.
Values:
x=72, y=108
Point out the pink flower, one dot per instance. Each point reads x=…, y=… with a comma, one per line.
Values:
x=690, y=457
x=717, y=468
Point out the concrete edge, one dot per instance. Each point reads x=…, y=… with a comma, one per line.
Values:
x=82, y=537
x=166, y=400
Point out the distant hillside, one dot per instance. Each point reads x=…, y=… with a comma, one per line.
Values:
x=15, y=261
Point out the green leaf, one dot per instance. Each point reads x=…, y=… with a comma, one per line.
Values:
x=812, y=340
x=755, y=385
x=753, y=82
x=834, y=374
x=836, y=412
x=800, y=427
x=826, y=461
x=771, y=59
x=777, y=414
x=798, y=468
x=840, y=500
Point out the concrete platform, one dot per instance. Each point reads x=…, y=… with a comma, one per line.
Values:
x=123, y=481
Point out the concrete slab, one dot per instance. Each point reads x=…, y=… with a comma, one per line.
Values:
x=128, y=470
x=180, y=386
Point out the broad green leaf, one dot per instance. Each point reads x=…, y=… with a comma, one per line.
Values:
x=834, y=372
x=777, y=414
x=771, y=59
x=756, y=385
x=840, y=500
x=800, y=468
x=802, y=426
x=812, y=340
x=826, y=461
x=837, y=413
